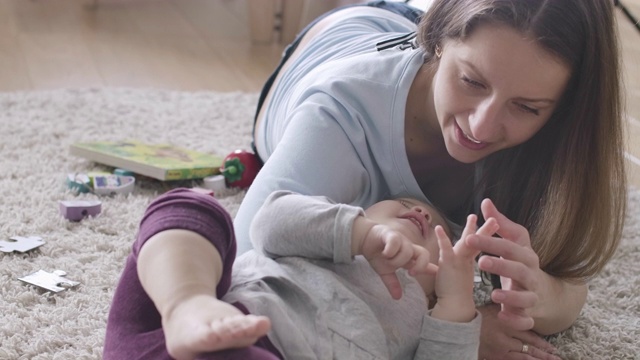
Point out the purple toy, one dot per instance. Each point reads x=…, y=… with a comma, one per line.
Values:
x=76, y=210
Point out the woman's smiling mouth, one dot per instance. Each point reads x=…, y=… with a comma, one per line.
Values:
x=467, y=140
x=471, y=138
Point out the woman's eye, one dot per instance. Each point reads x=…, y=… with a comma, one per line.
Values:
x=472, y=83
x=528, y=109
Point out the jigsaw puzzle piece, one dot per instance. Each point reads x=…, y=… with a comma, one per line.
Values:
x=52, y=281
x=21, y=244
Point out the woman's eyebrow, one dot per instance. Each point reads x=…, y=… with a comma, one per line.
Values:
x=524, y=99
x=546, y=101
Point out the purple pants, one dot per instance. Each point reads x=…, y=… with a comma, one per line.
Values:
x=134, y=326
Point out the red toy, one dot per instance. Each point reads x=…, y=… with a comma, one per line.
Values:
x=240, y=168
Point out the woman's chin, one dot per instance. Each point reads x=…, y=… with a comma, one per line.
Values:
x=464, y=155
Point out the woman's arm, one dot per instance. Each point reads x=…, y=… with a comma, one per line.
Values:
x=559, y=304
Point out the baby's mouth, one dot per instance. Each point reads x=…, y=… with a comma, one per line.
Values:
x=417, y=221
x=413, y=220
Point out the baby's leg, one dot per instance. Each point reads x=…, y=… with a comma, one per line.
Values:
x=173, y=269
x=184, y=266
x=205, y=324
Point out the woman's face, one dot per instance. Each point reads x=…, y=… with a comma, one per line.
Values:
x=494, y=90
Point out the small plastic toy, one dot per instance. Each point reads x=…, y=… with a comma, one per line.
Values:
x=203, y=191
x=101, y=183
x=214, y=183
x=52, y=281
x=123, y=172
x=76, y=210
x=113, y=184
x=21, y=244
x=79, y=182
x=240, y=168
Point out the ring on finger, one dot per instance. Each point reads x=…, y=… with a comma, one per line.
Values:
x=525, y=348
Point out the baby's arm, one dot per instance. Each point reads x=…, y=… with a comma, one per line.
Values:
x=314, y=227
x=454, y=280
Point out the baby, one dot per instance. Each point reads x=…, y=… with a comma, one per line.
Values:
x=329, y=280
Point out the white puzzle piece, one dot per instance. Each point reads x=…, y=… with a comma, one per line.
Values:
x=54, y=282
x=21, y=244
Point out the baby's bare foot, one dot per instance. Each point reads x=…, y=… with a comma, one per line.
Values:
x=204, y=324
x=238, y=331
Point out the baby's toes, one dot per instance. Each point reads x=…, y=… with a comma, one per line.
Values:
x=238, y=331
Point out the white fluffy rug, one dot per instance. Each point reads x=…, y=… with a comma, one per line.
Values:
x=36, y=129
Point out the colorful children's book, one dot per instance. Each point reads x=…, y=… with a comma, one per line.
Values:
x=159, y=161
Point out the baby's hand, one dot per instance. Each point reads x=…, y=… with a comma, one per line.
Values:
x=454, y=280
x=387, y=250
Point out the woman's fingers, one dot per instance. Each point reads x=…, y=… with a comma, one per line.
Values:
x=504, y=248
x=513, y=269
x=514, y=305
x=538, y=347
x=516, y=319
x=516, y=299
x=501, y=342
x=508, y=229
x=537, y=353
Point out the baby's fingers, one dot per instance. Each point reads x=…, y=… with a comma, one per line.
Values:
x=392, y=246
x=393, y=285
x=399, y=253
x=443, y=241
x=421, y=263
x=470, y=227
x=489, y=228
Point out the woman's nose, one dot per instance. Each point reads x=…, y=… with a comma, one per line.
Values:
x=485, y=122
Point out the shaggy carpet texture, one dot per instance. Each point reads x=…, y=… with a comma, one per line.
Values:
x=36, y=129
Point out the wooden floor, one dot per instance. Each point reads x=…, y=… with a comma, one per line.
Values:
x=185, y=45
x=175, y=44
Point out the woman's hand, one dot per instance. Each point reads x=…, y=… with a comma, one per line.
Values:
x=517, y=265
x=500, y=342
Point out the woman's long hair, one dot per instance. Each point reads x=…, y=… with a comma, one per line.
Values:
x=567, y=184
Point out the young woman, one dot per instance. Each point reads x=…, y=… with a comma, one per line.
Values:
x=518, y=101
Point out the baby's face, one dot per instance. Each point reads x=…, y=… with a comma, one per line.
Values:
x=412, y=218
x=415, y=220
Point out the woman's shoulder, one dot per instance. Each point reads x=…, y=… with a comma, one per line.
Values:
x=366, y=75
x=364, y=19
x=387, y=67
x=372, y=80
